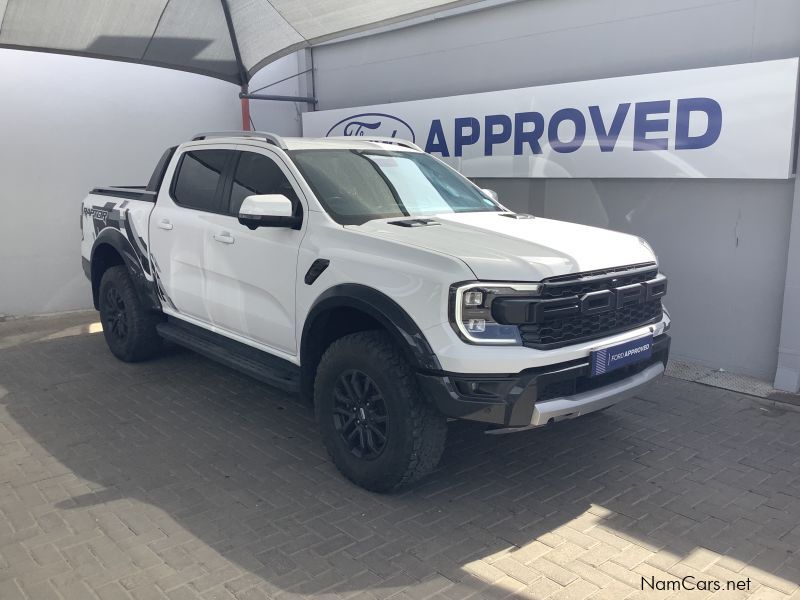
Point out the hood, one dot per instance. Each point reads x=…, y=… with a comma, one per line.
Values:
x=502, y=248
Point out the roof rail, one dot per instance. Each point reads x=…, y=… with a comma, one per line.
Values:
x=379, y=139
x=272, y=138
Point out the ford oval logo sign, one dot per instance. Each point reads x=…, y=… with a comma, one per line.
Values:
x=373, y=124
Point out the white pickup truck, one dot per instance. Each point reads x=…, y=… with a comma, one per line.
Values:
x=380, y=284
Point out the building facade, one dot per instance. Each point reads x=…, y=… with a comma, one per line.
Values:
x=730, y=246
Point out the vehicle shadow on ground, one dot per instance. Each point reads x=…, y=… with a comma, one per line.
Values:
x=239, y=467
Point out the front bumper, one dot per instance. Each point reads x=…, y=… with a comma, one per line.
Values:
x=540, y=395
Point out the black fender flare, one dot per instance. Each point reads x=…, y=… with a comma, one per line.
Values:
x=405, y=332
x=144, y=287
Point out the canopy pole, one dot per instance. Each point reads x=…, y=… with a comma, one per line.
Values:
x=245, y=99
x=243, y=75
x=279, y=98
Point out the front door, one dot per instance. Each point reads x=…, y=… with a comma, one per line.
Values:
x=251, y=275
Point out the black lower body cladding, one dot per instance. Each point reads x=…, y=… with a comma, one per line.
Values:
x=509, y=400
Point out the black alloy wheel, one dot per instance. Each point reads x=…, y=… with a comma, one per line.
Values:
x=380, y=431
x=114, y=312
x=129, y=329
x=359, y=414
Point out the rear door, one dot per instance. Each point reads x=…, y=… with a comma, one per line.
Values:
x=179, y=227
x=251, y=275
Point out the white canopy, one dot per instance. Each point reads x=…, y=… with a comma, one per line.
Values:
x=226, y=39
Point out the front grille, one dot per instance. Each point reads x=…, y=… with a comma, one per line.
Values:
x=550, y=331
x=582, y=328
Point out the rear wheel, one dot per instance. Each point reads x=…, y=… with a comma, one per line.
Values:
x=129, y=329
x=376, y=426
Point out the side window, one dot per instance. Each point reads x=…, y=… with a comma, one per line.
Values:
x=259, y=174
x=198, y=177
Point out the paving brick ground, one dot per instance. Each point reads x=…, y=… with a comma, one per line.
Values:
x=181, y=479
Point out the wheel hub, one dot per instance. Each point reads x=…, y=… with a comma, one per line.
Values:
x=359, y=414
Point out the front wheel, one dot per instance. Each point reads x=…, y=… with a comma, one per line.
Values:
x=376, y=426
x=129, y=329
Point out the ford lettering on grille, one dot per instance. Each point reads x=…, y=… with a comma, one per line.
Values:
x=518, y=311
x=593, y=303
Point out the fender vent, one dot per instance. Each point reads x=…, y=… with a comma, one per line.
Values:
x=315, y=270
x=415, y=223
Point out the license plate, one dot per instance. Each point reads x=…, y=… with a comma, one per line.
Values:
x=605, y=360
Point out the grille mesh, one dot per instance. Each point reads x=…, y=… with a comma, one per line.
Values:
x=574, y=329
x=569, y=330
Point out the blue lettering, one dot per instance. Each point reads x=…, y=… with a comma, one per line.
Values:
x=464, y=139
x=686, y=106
x=642, y=125
x=528, y=128
x=496, y=137
x=436, y=141
x=566, y=114
x=530, y=137
x=608, y=139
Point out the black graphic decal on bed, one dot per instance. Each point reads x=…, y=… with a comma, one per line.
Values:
x=111, y=215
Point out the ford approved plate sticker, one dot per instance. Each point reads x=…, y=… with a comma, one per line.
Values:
x=614, y=357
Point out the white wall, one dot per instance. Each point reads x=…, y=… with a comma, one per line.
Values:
x=69, y=124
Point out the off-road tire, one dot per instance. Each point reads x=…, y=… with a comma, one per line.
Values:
x=415, y=430
x=129, y=329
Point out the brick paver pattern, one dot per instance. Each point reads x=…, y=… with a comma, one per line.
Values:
x=179, y=478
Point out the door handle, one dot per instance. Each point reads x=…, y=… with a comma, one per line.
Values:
x=223, y=237
x=165, y=224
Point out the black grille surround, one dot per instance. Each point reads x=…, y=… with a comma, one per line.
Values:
x=563, y=313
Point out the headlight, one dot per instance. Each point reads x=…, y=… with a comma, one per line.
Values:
x=471, y=311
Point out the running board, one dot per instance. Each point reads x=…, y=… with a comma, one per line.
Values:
x=259, y=365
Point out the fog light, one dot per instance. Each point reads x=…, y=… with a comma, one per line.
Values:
x=473, y=299
x=476, y=325
x=487, y=389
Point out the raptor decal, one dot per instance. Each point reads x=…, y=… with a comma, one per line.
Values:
x=116, y=216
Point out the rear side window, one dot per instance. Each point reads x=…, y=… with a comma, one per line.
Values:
x=258, y=174
x=198, y=178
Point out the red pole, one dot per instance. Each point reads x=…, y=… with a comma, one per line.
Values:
x=245, y=110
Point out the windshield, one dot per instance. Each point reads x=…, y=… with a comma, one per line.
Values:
x=356, y=186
